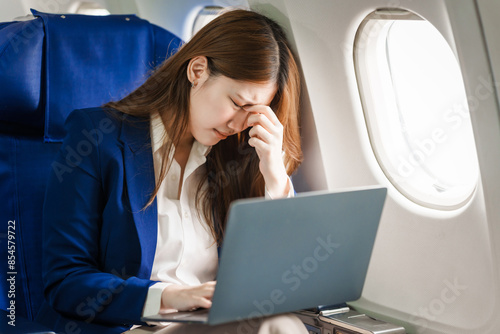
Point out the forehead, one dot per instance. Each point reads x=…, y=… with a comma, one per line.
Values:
x=250, y=93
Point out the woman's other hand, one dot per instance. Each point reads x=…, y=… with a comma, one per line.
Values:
x=267, y=139
x=185, y=298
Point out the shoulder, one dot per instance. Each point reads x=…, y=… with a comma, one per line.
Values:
x=99, y=117
x=105, y=120
x=106, y=128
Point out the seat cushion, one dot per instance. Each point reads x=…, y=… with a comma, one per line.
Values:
x=25, y=163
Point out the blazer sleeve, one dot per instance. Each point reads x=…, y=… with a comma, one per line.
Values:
x=73, y=283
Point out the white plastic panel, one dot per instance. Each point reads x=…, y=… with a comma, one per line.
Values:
x=10, y=10
x=205, y=15
x=433, y=271
x=88, y=8
x=179, y=16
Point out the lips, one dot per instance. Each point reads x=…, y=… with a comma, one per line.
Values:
x=221, y=135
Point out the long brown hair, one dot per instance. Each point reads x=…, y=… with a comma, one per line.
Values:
x=241, y=45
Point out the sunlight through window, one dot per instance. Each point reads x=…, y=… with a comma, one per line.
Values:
x=416, y=109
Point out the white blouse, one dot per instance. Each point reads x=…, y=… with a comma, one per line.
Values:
x=186, y=252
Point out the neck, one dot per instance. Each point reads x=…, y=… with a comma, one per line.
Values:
x=183, y=148
x=186, y=140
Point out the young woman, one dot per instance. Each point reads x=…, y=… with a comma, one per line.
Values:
x=133, y=229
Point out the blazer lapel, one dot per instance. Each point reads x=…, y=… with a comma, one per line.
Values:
x=140, y=183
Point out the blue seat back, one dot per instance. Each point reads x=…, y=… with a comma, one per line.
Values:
x=49, y=66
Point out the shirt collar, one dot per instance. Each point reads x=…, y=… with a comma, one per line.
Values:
x=159, y=134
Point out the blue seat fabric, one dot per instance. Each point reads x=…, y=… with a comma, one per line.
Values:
x=49, y=66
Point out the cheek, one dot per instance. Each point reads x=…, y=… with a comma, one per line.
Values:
x=216, y=115
x=199, y=111
x=209, y=110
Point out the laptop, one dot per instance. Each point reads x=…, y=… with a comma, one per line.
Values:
x=290, y=254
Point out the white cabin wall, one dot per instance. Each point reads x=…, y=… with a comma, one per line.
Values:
x=311, y=173
x=479, y=49
x=175, y=16
x=432, y=271
x=179, y=16
x=489, y=10
x=9, y=10
x=120, y=6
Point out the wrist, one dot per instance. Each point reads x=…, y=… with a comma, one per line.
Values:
x=279, y=187
x=166, y=296
x=153, y=302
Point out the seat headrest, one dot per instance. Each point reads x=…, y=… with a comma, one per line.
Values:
x=20, y=68
x=59, y=62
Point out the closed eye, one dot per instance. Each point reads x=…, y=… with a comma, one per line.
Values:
x=236, y=105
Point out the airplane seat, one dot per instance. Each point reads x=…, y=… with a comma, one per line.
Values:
x=50, y=65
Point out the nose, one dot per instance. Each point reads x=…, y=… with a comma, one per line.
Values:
x=238, y=122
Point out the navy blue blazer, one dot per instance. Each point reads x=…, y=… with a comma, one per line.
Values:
x=98, y=241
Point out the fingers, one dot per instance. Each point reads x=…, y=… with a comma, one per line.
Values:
x=204, y=291
x=199, y=302
x=198, y=296
x=262, y=119
x=210, y=283
x=262, y=109
x=265, y=126
x=265, y=117
x=261, y=133
x=266, y=136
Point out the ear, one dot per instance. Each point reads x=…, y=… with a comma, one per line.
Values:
x=197, y=70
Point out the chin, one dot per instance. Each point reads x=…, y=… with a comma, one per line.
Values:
x=207, y=141
x=211, y=142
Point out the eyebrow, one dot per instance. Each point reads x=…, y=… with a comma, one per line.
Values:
x=242, y=99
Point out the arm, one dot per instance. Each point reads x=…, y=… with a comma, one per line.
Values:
x=267, y=139
x=168, y=297
x=74, y=284
x=291, y=191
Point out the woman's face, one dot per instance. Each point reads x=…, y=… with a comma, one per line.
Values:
x=217, y=106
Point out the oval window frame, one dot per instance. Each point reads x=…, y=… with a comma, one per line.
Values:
x=382, y=18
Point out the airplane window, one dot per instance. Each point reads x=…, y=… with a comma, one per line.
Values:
x=416, y=109
x=205, y=15
x=90, y=8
